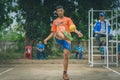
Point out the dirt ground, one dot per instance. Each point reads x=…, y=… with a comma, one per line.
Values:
x=52, y=70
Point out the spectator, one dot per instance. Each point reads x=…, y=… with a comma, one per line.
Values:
x=40, y=54
x=100, y=28
x=78, y=51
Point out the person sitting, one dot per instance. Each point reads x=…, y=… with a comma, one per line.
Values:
x=40, y=54
x=78, y=51
x=100, y=28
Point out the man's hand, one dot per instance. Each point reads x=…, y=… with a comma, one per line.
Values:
x=78, y=33
x=45, y=41
x=41, y=50
x=49, y=37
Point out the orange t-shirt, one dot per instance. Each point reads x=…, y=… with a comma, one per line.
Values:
x=62, y=24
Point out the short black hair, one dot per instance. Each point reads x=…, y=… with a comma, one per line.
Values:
x=59, y=7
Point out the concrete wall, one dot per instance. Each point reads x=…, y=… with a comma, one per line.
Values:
x=7, y=45
x=13, y=45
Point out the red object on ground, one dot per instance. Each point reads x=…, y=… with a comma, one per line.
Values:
x=28, y=52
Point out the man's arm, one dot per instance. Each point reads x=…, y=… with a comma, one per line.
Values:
x=38, y=49
x=49, y=37
x=73, y=28
x=96, y=26
x=78, y=33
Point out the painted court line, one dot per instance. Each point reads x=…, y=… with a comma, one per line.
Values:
x=113, y=70
x=6, y=71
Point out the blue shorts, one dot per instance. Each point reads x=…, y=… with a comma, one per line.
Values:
x=64, y=43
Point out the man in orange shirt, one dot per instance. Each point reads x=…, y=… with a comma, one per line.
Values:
x=61, y=25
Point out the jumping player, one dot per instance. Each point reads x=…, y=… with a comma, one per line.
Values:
x=60, y=27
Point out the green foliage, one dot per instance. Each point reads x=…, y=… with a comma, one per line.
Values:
x=11, y=36
x=56, y=54
x=37, y=23
x=6, y=7
x=119, y=37
x=37, y=15
x=34, y=17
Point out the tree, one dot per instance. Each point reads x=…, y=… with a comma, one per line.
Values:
x=6, y=7
x=39, y=14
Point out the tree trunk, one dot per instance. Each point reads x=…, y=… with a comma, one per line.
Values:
x=29, y=41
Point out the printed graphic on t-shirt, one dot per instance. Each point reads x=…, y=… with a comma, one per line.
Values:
x=60, y=26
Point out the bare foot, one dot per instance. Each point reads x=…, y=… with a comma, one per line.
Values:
x=65, y=76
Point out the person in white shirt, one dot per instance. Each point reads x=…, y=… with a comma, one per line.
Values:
x=101, y=27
